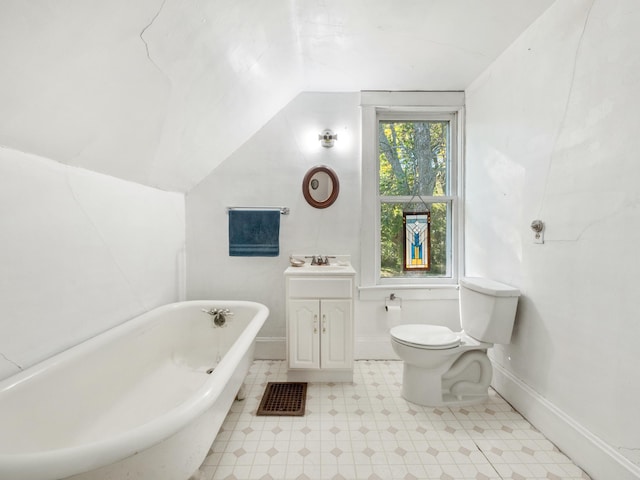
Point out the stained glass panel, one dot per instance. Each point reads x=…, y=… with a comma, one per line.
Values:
x=417, y=240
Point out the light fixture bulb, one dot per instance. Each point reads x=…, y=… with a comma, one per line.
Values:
x=327, y=138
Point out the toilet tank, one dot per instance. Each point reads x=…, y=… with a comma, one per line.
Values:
x=487, y=309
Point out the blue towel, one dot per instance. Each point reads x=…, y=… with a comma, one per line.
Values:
x=254, y=233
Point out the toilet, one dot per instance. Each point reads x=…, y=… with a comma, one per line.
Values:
x=446, y=368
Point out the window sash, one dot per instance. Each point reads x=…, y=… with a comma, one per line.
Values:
x=424, y=117
x=449, y=275
x=450, y=199
x=416, y=199
x=378, y=106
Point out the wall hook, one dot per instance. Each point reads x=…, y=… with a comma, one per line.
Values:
x=538, y=227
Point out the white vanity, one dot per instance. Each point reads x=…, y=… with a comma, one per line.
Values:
x=319, y=311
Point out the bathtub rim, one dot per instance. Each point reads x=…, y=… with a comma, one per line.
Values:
x=67, y=461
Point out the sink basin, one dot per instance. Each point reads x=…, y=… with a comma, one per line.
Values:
x=326, y=268
x=320, y=270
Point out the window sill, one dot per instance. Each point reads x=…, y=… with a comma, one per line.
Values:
x=408, y=292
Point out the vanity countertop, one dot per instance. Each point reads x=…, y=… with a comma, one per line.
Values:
x=338, y=265
x=329, y=270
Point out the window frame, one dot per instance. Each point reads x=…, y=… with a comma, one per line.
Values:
x=409, y=106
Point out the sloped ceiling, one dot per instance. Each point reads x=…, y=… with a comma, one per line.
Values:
x=161, y=91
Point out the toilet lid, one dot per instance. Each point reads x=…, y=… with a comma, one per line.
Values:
x=425, y=336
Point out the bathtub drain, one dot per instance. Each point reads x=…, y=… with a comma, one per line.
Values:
x=210, y=371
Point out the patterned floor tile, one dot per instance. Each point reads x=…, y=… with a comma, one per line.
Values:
x=366, y=431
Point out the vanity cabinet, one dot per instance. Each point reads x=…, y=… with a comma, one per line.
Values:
x=320, y=333
x=320, y=327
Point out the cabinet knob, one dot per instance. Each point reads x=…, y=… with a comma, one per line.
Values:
x=324, y=324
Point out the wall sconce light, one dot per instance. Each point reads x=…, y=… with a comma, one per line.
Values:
x=327, y=138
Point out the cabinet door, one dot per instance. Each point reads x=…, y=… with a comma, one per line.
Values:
x=304, y=337
x=336, y=329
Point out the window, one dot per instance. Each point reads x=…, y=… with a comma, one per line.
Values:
x=413, y=194
x=410, y=185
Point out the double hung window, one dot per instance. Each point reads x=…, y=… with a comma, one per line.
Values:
x=411, y=161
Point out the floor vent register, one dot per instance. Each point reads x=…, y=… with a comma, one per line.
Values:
x=283, y=399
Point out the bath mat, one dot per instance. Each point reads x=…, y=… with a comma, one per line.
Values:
x=284, y=399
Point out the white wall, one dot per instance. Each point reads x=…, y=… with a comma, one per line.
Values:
x=552, y=134
x=80, y=252
x=268, y=170
x=160, y=92
x=153, y=91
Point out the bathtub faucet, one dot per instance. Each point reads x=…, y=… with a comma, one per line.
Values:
x=219, y=315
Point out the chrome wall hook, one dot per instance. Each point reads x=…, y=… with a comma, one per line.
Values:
x=538, y=227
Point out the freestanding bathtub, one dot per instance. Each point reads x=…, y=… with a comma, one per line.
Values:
x=138, y=401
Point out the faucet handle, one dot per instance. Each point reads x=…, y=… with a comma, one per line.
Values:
x=319, y=259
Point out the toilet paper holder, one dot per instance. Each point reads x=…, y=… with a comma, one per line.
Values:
x=392, y=300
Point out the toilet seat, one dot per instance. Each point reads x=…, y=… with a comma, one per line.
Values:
x=428, y=337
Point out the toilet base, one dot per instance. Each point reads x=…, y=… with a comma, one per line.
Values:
x=465, y=383
x=445, y=400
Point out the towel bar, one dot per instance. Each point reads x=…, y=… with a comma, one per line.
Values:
x=283, y=210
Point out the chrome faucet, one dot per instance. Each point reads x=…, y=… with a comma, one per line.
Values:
x=320, y=260
x=219, y=315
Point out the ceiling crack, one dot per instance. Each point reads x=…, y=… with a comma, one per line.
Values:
x=144, y=30
x=567, y=104
x=15, y=364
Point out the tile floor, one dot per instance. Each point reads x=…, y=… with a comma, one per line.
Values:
x=366, y=430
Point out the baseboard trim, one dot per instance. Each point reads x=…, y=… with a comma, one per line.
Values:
x=599, y=459
x=271, y=348
x=365, y=348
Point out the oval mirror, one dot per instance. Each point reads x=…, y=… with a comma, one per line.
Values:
x=320, y=187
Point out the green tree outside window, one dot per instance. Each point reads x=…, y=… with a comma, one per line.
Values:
x=413, y=169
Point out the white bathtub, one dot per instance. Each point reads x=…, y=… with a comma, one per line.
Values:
x=133, y=402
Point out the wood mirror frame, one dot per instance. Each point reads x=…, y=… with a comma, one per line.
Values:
x=320, y=187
